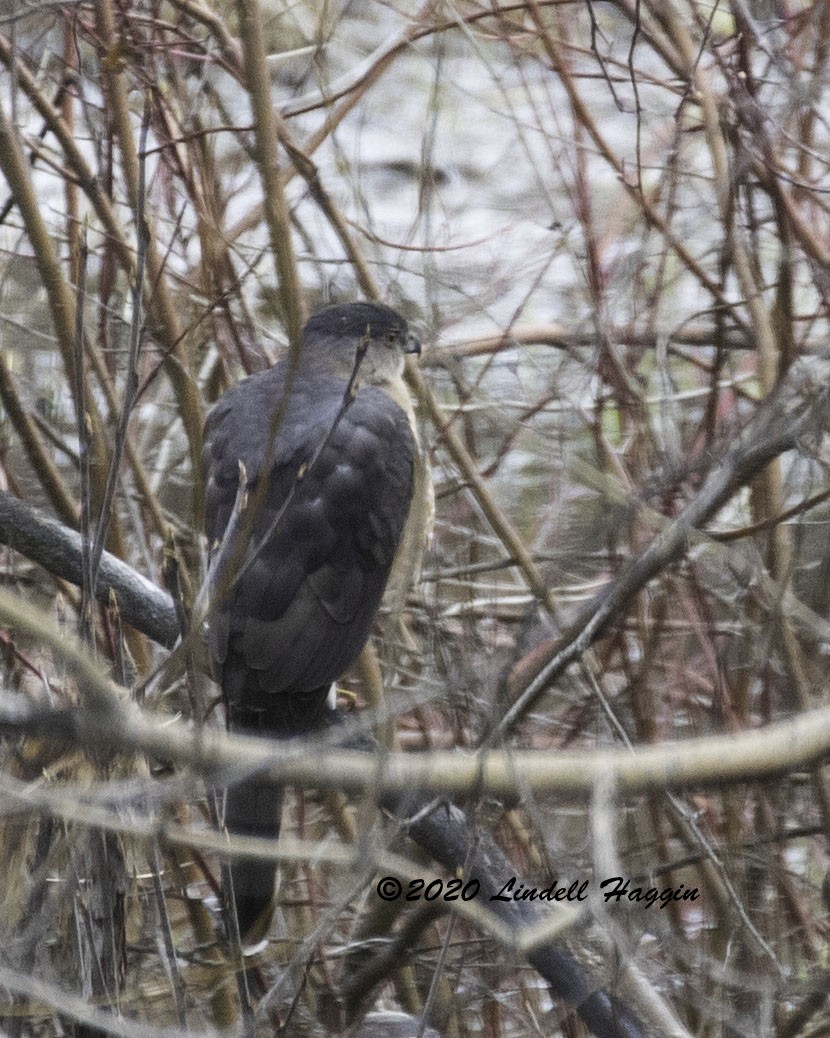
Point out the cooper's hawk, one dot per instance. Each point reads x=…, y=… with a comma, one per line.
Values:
x=302, y=551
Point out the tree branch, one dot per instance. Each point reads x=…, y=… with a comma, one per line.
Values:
x=58, y=549
x=777, y=427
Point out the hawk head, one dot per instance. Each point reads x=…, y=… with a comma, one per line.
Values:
x=372, y=336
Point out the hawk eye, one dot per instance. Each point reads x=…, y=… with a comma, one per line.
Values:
x=391, y=338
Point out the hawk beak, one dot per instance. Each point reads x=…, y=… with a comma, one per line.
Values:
x=413, y=345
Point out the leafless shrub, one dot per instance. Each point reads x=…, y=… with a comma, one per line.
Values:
x=611, y=223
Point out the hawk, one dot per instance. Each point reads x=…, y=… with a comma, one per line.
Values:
x=311, y=469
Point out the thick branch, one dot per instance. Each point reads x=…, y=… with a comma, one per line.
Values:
x=58, y=550
x=752, y=756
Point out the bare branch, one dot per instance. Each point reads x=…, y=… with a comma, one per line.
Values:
x=58, y=549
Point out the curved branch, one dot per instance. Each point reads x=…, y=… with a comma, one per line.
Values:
x=714, y=760
x=58, y=549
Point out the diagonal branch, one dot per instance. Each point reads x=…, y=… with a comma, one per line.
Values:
x=773, y=431
x=59, y=550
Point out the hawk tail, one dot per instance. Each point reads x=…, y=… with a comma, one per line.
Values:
x=253, y=807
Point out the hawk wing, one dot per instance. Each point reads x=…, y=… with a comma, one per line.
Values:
x=300, y=577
